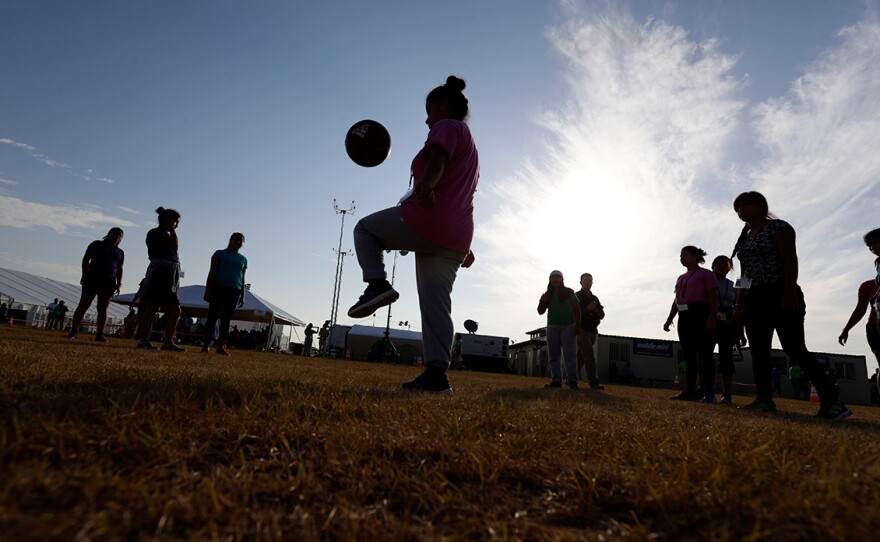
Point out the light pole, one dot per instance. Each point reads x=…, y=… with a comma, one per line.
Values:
x=340, y=259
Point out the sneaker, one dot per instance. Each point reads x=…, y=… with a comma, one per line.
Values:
x=596, y=386
x=834, y=411
x=709, y=399
x=146, y=345
x=432, y=379
x=71, y=335
x=684, y=396
x=205, y=350
x=572, y=384
x=221, y=350
x=760, y=405
x=726, y=400
x=376, y=296
x=100, y=338
x=553, y=384
x=171, y=347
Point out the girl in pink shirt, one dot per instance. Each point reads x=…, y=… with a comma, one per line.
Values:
x=696, y=303
x=436, y=222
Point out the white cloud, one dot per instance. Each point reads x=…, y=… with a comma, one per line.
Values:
x=32, y=151
x=822, y=171
x=630, y=175
x=128, y=210
x=18, y=213
x=7, y=182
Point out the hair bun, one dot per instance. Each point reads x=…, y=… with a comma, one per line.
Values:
x=160, y=210
x=454, y=83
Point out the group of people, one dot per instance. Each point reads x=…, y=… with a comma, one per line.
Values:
x=435, y=220
x=56, y=314
x=102, y=268
x=765, y=299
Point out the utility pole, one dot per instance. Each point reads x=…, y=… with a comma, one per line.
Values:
x=340, y=260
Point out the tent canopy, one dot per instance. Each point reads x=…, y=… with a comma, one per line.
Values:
x=255, y=308
x=36, y=291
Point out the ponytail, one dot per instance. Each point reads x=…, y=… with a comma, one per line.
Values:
x=742, y=237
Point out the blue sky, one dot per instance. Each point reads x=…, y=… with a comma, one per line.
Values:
x=610, y=134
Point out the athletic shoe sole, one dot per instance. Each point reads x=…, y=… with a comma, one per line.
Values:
x=372, y=305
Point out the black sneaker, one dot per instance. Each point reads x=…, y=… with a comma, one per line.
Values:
x=100, y=338
x=171, y=347
x=376, y=296
x=572, y=384
x=834, y=411
x=596, y=386
x=685, y=396
x=759, y=405
x=726, y=400
x=432, y=379
x=144, y=344
x=553, y=384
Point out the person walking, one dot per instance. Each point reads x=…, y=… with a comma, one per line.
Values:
x=436, y=222
x=728, y=332
x=101, y=277
x=867, y=296
x=696, y=303
x=60, y=315
x=563, y=326
x=592, y=313
x=224, y=290
x=161, y=284
x=769, y=299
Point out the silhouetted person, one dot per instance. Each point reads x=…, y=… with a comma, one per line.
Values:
x=436, y=222
x=769, y=299
x=101, y=277
x=224, y=290
x=161, y=284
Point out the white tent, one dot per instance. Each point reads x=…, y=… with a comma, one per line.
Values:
x=255, y=308
x=30, y=294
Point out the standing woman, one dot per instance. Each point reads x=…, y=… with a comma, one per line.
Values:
x=867, y=297
x=101, y=277
x=162, y=281
x=224, y=290
x=769, y=299
x=728, y=331
x=563, y=326
x=696, y=302
x=436, y=221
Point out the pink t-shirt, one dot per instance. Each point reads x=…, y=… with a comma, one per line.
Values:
x=694, y=286
x=450, y=222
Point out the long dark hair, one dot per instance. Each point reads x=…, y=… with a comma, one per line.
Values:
x=452, y=92
x=562, y=293
x=749, y=197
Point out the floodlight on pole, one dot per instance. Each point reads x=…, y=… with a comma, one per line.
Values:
x=340, y=259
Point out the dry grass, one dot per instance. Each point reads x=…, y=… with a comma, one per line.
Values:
x=104, y=442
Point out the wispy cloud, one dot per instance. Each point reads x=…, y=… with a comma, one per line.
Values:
x=128, y=210
x=821, y=170
x=7, y=182
x=622, y=183
x=638, y=165
x=18, y=213
x=88, y=175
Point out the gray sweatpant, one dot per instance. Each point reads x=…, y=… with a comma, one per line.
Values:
x=562, y=343
x=435, y=274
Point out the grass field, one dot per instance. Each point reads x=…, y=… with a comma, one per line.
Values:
x=105, y=442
